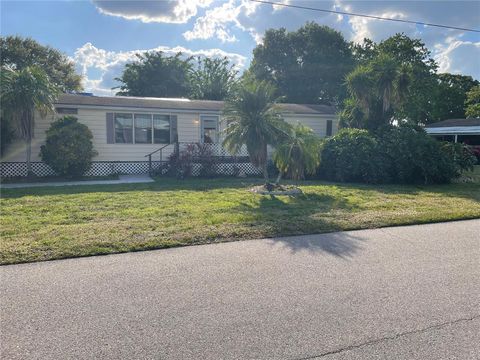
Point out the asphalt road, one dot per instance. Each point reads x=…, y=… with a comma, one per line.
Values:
x=394, y=293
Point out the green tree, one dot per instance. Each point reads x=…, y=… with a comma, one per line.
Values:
x=156, y=75
x=450, y=96
x=378, y=89
x=212, y=79
x=473, y=102
x=307, y=65
x=68, y=149
x=411, y=53
x=19, y=53
x=298, y=154
x=23, y=92
x=254, y=121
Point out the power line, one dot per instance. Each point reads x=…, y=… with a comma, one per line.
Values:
x=363, y=15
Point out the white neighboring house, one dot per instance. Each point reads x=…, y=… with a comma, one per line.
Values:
x=126, y=129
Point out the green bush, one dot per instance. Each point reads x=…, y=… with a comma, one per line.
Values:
x=68, y=149
x=402, y=155
x=351, y=156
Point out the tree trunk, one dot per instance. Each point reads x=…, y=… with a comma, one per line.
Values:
x=29, y=156
x=265, y=172
x=279, y=177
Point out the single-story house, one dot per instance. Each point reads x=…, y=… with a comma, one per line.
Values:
x=127, y=129
x=456, y=130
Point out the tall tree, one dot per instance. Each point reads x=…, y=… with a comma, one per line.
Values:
x=212, y=79
x=450, y=96
x=156, y=75
x=473, y=102
x=307, y=65
x=378, y=89
x=413, y=53
x=19, y=53
x=254, y=121
x=23, y=92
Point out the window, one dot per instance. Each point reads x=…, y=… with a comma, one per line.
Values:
x=123, y=128
x=143, y=129
x=63, y=110
x=209, y=129
x=161, y=129
x=329, y=127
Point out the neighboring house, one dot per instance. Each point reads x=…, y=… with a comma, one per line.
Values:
x=466, y=131
x=127, y=129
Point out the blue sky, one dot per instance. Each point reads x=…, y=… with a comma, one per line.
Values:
x=101, y=36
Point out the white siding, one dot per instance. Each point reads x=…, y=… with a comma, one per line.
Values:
x=95, y=119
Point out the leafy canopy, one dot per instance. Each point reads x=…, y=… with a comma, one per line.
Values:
x=473, y=102
x=306, y=66
x=212, y=79
x=253, y=121
x=19, y=53
x=299, y=153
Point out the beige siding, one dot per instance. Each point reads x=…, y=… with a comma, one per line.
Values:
x=317, y=123
x=95, y=119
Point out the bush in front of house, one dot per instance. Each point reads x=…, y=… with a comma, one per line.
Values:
x=403, y=155
x=352, y=156
x=68, y=149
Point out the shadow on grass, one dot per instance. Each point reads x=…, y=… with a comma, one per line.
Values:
x=305, y=214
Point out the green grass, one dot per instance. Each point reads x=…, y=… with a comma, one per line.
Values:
x=51, y=223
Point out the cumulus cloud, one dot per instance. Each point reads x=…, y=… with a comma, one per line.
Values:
x=458, y=57
x=165, y=11
x=100, y=67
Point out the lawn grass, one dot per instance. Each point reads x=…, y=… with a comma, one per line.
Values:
x=58, y=222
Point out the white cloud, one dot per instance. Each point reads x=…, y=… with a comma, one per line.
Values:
x=100, y=67
x=458, y=57
x=166, y=11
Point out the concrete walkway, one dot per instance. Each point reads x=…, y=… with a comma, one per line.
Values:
x=122, y=179
x=410, y=292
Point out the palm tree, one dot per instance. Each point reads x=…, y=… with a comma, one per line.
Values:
x=253, y=121
x=22, y=92
x=298, y=154
x=379, y=87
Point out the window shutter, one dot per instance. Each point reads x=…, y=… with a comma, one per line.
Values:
x=110, y=129
x=173, y=129
x=329, y=128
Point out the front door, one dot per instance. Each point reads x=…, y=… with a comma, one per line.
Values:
x=209, y=129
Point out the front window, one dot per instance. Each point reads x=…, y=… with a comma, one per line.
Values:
x=123, y=128
x=161, y=129
x=143, y=129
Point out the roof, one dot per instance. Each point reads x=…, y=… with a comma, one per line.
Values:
x=176, y=104
x=455, y=123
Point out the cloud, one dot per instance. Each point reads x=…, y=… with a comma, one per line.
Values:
x=164, y=11
x=100, y=67
x=458, y=57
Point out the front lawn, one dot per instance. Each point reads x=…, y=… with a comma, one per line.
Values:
x=52, y=223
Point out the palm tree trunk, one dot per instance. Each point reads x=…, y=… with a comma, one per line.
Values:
x=29, y=156
x=265, y=172
x=279, y=177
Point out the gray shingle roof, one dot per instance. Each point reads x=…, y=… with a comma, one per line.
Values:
x=176, y=104
x=455, y=122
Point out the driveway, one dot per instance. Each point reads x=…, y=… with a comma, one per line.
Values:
x=396, y=293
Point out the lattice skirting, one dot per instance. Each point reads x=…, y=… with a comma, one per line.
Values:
x=104, y=168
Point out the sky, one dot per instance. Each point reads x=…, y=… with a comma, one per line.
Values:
x=102, y=36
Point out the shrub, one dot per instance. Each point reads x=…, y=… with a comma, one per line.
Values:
x=68, y=149
x=398, y=154
x=351, y=156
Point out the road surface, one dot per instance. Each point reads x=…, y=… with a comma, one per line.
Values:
x=394, y=293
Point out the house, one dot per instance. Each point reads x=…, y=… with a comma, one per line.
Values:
x=128, y=131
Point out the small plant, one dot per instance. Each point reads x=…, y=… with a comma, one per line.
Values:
x=68, y=149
